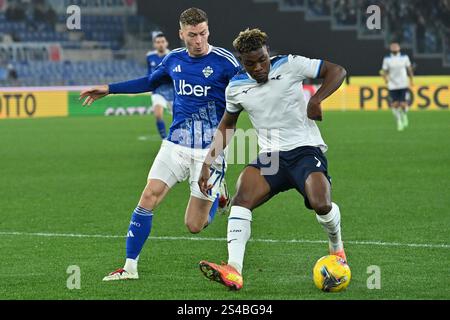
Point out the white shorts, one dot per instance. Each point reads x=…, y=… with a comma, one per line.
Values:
x=175, y=163
x=158, y=99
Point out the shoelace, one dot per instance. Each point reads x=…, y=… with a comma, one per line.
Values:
x=120, y=271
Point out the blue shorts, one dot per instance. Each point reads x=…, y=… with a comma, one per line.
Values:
x=294, y=168
x=398, y=95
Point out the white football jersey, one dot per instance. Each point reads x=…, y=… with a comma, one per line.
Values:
x=396, y=66
x=277, y=108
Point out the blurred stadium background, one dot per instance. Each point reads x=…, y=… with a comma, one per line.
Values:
x=60, y=172
x=37, y=49
x=113, y=39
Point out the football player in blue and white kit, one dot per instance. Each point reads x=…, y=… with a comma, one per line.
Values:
x=291, y=146
x=200, y=74
x=162, y=97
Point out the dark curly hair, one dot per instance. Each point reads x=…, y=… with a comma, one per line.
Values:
x=250, y=40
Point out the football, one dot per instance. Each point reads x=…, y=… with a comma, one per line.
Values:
x=331, y=274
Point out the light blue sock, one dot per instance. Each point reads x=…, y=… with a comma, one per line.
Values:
x=161, y=128
x=212, y=212
x=138, y=232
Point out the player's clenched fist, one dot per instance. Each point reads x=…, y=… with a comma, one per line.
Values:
x=93, y=94
x=314, y=110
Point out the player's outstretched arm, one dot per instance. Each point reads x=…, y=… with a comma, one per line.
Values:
x=222, y=138
x=139, y=85
x=333, y=75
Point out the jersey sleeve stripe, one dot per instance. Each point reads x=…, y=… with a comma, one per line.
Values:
x=226, y=57
x=178, y=49
x=228, y=53
x=280, y=61
x=319, y=68
x=231, y=61
x=174, y=51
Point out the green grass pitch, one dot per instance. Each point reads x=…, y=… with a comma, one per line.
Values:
x=84, y=176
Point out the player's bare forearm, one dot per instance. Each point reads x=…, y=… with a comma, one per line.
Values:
x=385, y=76
x=333, y=75
x=411, y=75
x=222, y=137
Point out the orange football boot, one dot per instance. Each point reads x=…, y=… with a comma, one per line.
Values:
x=224, y=274
x=339, y=253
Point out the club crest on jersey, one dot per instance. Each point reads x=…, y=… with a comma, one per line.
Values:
x=207, y=71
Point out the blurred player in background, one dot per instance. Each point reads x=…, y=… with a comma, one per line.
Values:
x=162, y=97
x=200, y=73
x=395, y=71
x=271, y=91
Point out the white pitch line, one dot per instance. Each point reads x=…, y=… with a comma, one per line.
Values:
x=354, y=242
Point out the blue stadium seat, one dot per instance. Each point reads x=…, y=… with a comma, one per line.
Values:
x=77, y=73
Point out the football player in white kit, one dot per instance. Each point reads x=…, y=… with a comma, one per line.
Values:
x=396, y=70
x=270, y=90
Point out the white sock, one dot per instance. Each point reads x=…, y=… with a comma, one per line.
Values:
x=331, y=222
x=403, y=114
x=131, y=265
x=239, y=230
x=397, y=114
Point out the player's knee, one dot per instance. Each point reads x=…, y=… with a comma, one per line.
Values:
x=321, y=207
x=194, y=226
x=242, y=200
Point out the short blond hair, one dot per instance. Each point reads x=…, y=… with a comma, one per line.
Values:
x=250, y=40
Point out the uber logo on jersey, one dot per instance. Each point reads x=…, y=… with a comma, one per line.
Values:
x=186, y=89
